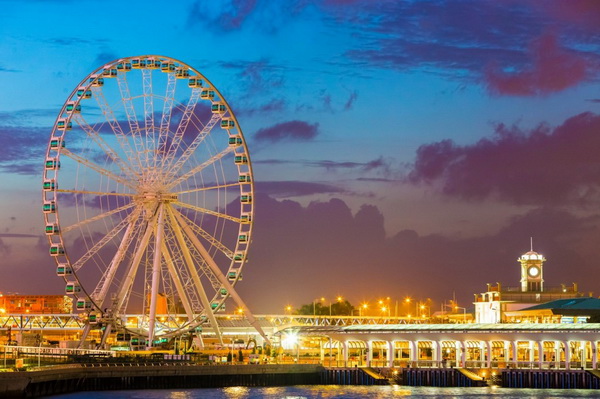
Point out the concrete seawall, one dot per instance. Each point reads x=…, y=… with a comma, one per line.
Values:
x=74, y=378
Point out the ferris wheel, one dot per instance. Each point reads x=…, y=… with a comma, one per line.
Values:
x=147, y=198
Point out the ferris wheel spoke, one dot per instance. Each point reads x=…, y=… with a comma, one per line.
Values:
x=208, y=212
x=99, y=294
x=177, y=281
x=116, y=128
x=101, y=193
x=83, y=161
x=167, y=111
x=206, y=236
x=97, y=217
x=206, y=188
x=125, y=288
x=194, y=145
x=103, y=145
x=181, y=128
x=199, y=167
x=156, y=268
x=193, y=272
x=134, y=126
x=218, y=273
x=148, y=114
x=100, y=244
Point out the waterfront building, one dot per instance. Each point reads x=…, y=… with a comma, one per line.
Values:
x=19, y=304
x=498, y=303
x=572, y=310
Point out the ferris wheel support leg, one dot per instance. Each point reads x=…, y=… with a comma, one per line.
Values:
x=155, y=274
x=105, y=335
x=220, y=276
x=196, y=279
x=84, y=334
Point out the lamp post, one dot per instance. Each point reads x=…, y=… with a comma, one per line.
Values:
x=364, y=307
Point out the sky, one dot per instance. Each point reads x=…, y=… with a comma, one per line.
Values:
x=400, y=148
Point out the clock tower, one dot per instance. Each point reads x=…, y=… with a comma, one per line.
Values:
x=532, y=267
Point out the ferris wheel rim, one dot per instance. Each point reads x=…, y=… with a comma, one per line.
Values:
x=74, y=100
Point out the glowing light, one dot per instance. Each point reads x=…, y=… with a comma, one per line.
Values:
x=289, y=341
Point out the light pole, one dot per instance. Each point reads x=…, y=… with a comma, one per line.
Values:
x=362, y=307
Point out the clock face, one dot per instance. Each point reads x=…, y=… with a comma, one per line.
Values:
x=533, y=271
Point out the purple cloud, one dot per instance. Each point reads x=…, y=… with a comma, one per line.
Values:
x=483, y=42
x=15, y=235
x=273, y=106
x=324, y=244
x=288, y=131
x=552, y=69
x=24, y=149
x=542, y=166
x=351, y=100
x=283, y=189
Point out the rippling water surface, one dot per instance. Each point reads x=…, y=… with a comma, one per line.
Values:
x=336, y=391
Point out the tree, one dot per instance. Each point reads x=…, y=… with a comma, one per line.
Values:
x=341, y=308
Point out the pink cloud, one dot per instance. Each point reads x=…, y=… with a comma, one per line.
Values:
x=551, y=69
x=543, y=166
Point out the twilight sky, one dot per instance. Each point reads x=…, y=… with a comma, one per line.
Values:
x=400, y=148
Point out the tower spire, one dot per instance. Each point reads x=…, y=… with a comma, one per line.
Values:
x=531, y=243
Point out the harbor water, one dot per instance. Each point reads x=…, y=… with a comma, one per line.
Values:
x=337, y=391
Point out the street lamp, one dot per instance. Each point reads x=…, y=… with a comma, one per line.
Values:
x=364, y=307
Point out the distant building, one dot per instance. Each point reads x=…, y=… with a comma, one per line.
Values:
x=572, y=310
x=15, y=304
x=495, y=305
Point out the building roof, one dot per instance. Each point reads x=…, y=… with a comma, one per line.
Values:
x=585, y=303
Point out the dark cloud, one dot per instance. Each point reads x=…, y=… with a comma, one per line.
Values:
x=75, y=41
x=288, y=131
x=552, y=69
x=23, y=149
x=274, y=106
x=585, y=13
x=542, y=166
x=15, y=235
x=483, y=41
x=350, y=254
x=379, y=166
x=259, y=15
x=283, y=189
x=351, y=100
x=4, y=69
x=229, y=17
x=104, y=57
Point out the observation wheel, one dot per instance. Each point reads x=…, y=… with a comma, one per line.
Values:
x=147, y=198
